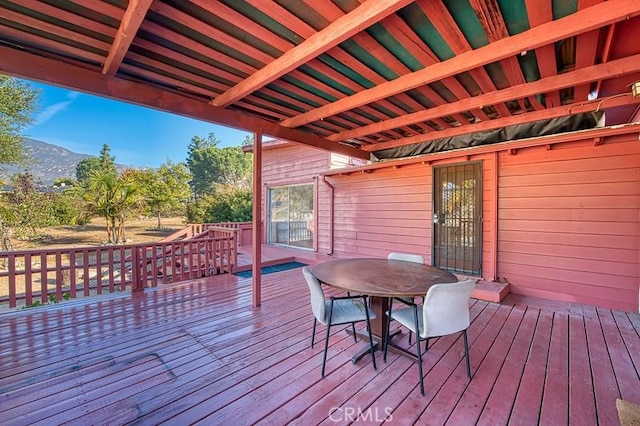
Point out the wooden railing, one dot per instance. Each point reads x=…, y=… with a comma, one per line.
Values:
x=243, y=231
x=33, y=277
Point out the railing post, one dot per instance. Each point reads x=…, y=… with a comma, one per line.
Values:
x=136, y=269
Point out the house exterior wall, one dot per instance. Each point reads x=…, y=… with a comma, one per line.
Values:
x=569, y=222
x=294, y=164
x=560, y=222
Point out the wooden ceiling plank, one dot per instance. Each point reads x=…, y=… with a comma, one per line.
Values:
x=602, y=71
x=284, y=17
x=173, y=82
x=102, y=7
x=22, y=64
x=549, y=113
x=189, y=77
x=196, y=47
x=335, y=33
x=57, y=30
x=586, y=50
x=240, y=21
x=66, y=16
x=581, y=21
x=129, y=25
x=210, y=31
x=448, y=29
x=42, y=43
x=186, y=60
x=540, y=12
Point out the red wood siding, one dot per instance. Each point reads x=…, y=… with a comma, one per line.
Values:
x=568, y=222
x=383, y=211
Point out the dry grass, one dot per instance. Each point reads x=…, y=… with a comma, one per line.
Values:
x=94, y=233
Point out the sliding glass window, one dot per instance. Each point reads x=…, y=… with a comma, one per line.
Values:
x=290, y=216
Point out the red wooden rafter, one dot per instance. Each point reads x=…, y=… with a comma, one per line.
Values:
x=129, y=25
x=540, y=12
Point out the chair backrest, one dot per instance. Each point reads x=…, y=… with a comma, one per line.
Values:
x=318, y=305
x=407, y=257
x=446, y=308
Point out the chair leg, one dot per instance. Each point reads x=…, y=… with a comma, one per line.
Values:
x=415, y=313
x=410, y=334
x=313, y=335
x=372, y=349
x=386, y=335
x=326, y=346
x=326, y=339
x=353, y=328
x=426, y=344
x=466, y=353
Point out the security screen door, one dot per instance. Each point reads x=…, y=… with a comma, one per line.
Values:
x=457, y=217
x=291, y=216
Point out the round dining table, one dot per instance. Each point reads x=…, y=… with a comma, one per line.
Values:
x=380, y=279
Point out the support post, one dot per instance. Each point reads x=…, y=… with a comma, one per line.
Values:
x=257, y=216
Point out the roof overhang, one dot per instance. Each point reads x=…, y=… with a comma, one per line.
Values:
x=345, y=76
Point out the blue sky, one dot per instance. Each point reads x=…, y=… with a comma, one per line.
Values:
x=137, y=136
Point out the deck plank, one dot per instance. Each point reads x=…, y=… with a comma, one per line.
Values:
x=529, y=396
x=605, y=387
x=555, y=397
x=582, y=403
x=199, y=352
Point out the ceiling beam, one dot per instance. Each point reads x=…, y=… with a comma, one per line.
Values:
x=616, y=68
x=562, y=111
x=582, y=21
x=539, y=12
x=335, y=33
x=586, y=51
x=129, y=25
x=33, y=67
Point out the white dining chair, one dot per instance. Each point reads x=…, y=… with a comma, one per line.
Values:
x=337, y=311
x=407, y=257
x=445, y=311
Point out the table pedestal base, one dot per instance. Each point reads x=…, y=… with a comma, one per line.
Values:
x=378, y=345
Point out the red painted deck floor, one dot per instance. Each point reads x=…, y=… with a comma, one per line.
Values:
x=197, y=352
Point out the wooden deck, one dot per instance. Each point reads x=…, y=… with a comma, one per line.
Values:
x=198, y=352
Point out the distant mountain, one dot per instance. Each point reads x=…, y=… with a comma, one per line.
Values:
x=47, y=162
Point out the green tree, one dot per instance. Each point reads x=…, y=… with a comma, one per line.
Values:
x=87, y=166
x=226, y=203
x=165, y=190
x=26, y=207
x=211, y=166
x=113, y=197
x=18, y=103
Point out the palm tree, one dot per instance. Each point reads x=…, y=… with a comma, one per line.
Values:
x=114, y=197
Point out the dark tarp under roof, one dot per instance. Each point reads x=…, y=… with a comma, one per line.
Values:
x=505, y=134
